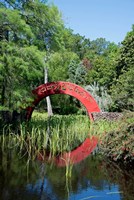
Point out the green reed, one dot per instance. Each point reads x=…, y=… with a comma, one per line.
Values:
x=55, y=134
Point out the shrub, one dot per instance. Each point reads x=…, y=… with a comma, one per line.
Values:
x=119, y=144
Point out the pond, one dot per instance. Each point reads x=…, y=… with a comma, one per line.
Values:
x=92, y=178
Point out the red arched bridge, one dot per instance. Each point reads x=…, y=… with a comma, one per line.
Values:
x=85, y=98
x=68, y=88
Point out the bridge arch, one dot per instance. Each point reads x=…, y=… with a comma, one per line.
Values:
x=62, y=87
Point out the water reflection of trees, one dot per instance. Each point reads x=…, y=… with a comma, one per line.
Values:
x=16, y=172
x=123, y=177
x=87, y=174
x=20, y=179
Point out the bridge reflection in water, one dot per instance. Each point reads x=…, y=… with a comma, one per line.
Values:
x=75, y=156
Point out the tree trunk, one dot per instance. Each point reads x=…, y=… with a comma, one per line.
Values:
x=49, y=106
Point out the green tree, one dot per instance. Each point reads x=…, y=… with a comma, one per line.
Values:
x=36, y=22
x=77, y=72
x=75, y=43
x=123, y=91
x=14, y=28
x=104, y=63
x=123, y=87
x=58, y=65
x=99, y=46
x=126, y=55
x=27, y=30
x=21, y=69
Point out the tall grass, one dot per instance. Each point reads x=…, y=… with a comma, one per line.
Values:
x=55, y=134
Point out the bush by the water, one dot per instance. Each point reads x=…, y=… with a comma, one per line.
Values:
x=117, y=138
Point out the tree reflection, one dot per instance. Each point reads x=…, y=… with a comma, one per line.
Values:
x=24, y=179
x=124, y=177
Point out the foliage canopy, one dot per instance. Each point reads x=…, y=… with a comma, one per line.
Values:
x=33, y=36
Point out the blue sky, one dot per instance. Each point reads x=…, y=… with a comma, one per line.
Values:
x=110, y=19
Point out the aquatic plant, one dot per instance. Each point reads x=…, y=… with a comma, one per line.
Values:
x=54, y=135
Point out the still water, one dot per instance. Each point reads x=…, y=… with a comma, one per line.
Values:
x=92, y=178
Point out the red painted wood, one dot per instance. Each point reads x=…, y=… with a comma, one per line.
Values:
x=68, y=88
